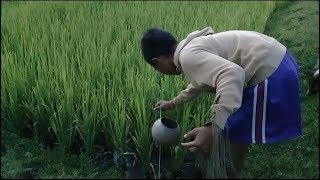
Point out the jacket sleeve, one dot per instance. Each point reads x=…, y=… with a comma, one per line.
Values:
x=186, y=94
x=223, y=75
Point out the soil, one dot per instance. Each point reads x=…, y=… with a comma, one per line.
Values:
x=133, y=168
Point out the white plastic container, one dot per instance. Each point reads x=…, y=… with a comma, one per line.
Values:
x=165, y=131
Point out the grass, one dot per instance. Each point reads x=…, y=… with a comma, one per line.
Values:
x=25, y=158
x=297, y=27
x=78, y=82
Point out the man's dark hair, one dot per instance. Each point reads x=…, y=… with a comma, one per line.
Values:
x=155, y=42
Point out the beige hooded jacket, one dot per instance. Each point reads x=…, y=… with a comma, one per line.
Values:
x=225, y=63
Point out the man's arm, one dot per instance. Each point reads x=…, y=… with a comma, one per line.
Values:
x=186, y=95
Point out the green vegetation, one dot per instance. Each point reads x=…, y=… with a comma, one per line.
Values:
x=73, y=70
x=25, y=158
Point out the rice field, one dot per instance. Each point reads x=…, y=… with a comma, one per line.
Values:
x=73, y=71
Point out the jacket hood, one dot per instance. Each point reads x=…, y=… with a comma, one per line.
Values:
x=204, y=32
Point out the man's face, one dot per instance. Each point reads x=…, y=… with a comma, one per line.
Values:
x=165, y=65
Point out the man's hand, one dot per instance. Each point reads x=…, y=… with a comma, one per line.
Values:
x=164, y=105
x=202, y=139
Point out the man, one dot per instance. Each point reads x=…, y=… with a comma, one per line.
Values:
x=253, y=76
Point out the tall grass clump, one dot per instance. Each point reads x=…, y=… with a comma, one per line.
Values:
x=141, y=117
x=76, y=67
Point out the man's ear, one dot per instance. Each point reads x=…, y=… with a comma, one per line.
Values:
x=155, y=61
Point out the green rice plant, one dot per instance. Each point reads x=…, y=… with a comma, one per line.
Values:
x=62, y=128
x=42, y=93
x=117, y=124
x=64, y=116
x=9, y=95
x=39, y=112
x=178, y=153
x=88, y=118
x=120, y=129
x=140, y=112
x=15, y=115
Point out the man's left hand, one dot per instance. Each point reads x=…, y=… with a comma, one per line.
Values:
x=202, y=139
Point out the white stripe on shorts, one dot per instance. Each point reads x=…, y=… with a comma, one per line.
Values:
x=254, y=115
x=264, y=111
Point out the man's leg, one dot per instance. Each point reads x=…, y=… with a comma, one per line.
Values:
x=238, y=153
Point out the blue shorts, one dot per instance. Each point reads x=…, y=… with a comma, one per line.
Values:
x=270, y=110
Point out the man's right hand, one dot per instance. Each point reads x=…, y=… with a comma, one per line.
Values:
x=164, y=105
